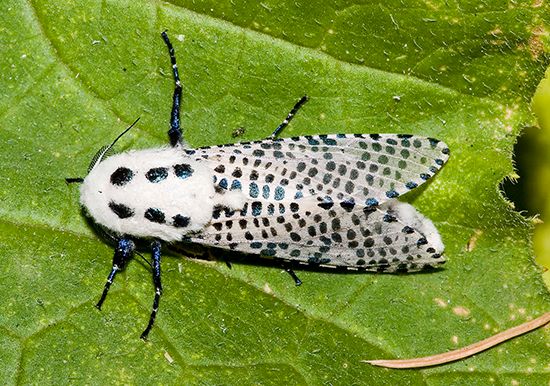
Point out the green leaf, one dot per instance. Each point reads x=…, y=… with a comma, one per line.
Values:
x=75, y=74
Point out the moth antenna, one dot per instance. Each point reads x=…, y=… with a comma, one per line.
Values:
x=121, y=134
x=72, y=180
x=101, y=153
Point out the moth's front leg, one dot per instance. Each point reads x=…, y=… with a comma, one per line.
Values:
x=123, y=252
x=156, y=253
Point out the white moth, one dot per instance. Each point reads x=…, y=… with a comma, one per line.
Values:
x=326, y=200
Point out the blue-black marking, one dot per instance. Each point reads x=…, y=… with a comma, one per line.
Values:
x=256, y=208
x=327, y=141
x=265, y=191
x=369, y=242
x=312, y=141
x=216, y=213
x=155, y=215
x=236, y=185
x=121, y=210
x=156, y=174
x=279, y=193
x=180, y=221
x=433, y=141
x=370, y=202
x=121, y=176
x=237, y=173
x=267, y=252
x=295, y=236
x=327, y=203
x=407, y=229
x=223, y=183
x=421, y=241
x=348, y=204
x=183, y=171
x=389, y=218
x=253, y=190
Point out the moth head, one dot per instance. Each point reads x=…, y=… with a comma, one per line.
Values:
x=94, y=186
x=99, y=156
x=102, y=191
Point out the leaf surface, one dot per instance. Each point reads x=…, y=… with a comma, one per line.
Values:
x=75, y=74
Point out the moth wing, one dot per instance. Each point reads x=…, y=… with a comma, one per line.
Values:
x=392, y=237
x=349, y=168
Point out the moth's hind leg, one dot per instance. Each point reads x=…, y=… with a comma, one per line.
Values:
x=287, y=266
x=123, y=252
x=289, y=117
x=156, y=253
x=174, y=133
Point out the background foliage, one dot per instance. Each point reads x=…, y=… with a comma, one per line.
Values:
x=75, y=74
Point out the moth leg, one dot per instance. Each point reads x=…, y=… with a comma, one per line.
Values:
x=123, y=252
x=174, y=133
x=292, y=274
x=227, y=262
x=155, y=247
x=289, y=117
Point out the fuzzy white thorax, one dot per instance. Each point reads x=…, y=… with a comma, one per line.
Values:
x=193, y=197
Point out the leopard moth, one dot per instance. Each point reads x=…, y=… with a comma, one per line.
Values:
x=327, y=200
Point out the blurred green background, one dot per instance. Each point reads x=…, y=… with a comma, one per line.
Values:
x=530, y=193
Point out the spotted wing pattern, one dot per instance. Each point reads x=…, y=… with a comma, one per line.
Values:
x=370, y=239
x=326, y=199
x=353, y=169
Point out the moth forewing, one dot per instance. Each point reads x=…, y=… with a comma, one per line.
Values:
x=327, y=200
